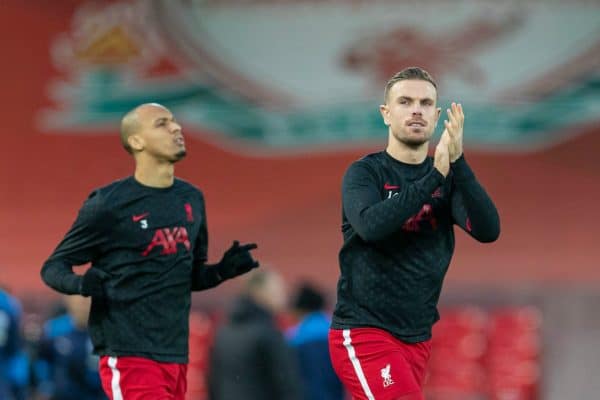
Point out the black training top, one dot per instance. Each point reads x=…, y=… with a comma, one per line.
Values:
x=150, y=241
x=398, y=232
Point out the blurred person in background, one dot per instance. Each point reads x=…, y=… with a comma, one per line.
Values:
x=309, y=340
x=250, y=358
x=146, y=238
x=399, y=211
x=14, y=364
x=66, y=368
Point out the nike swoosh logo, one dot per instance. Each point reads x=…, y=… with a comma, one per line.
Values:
x=387, y=186
x=136, y=218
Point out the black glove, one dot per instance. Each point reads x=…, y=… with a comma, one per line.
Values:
x=237, y=260
x=92, y=283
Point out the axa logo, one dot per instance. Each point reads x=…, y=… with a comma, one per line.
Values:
x=167, y=239
x=386, y=375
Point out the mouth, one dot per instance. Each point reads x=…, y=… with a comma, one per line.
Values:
x=416, y=124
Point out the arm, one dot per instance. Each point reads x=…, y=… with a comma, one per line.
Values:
x=203, y=276
x=472, y=208
x=236, y=261
x=374, y=219
x=79, y=246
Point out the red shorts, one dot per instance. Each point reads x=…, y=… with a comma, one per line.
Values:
x=137, y=378
x=373, y=364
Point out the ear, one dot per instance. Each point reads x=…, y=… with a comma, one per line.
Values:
x=385, y=114
x=136, y=142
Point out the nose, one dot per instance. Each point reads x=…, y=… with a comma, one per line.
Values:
x=417, y=110
x=175, y=127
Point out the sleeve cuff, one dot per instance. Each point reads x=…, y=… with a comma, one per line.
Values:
x=432, y=181
x=461, y=169
x=71, y=283
x=206, y=276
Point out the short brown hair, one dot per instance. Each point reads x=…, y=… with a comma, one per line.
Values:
x=408, y=73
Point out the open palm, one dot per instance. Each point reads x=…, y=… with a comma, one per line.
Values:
x=454, y=130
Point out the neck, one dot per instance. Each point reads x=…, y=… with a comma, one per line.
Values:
x=405, y=153
x=150, y=172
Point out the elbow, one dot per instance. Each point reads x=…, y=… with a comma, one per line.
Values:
x=50, y=274
x=490, y=235
x=44, y=273
x=489, y=238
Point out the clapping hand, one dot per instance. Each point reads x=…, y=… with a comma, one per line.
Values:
x=454, y=130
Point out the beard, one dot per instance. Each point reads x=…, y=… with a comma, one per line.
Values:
x=411, y=141
x=180, y=155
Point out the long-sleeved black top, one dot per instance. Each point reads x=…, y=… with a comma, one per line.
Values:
x=397, y=224
x=152, y=243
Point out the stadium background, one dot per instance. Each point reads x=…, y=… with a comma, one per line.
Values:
x=278, y=97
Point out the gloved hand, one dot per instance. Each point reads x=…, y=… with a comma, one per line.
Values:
x=237, y=260
x=92, y=283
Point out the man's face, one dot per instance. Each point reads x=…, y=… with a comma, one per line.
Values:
x=410, y=111
x=275, y=292
x=160, y=134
